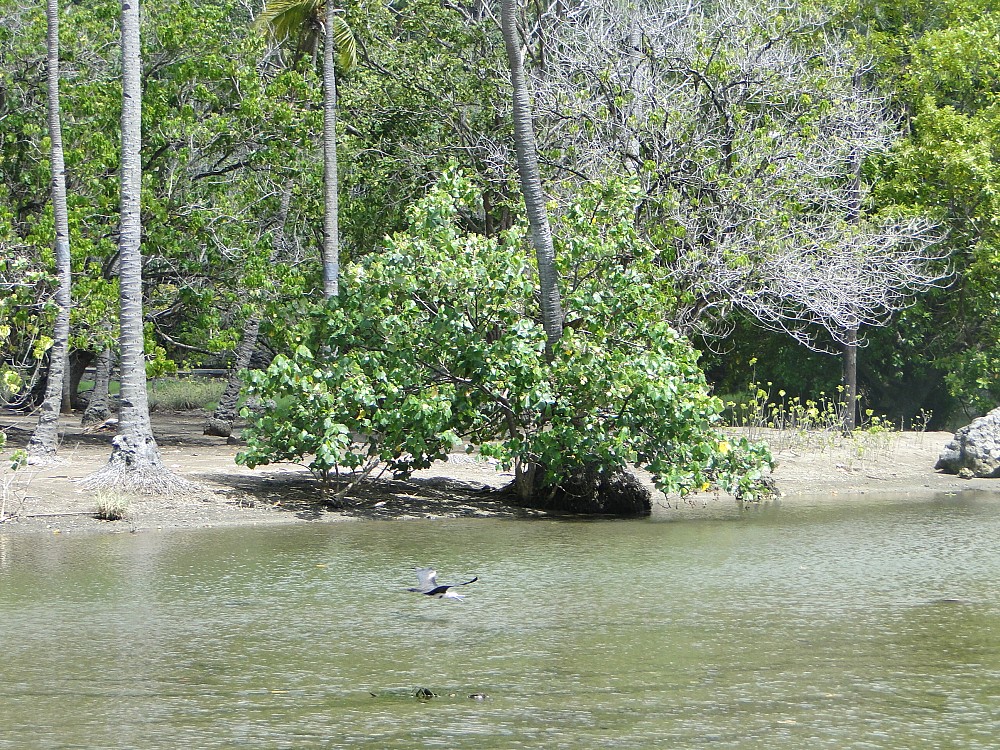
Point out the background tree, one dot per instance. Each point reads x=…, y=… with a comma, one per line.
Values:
x=749, y=128
x=44, y=441
x=135, y=463
x=302, y=23
x=942, y=62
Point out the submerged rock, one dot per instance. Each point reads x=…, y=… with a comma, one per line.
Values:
x=975, y=449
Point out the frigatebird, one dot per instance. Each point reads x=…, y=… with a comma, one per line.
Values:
x=429, y=585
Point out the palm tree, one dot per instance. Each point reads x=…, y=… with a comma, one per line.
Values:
x=301, y=23
x=531, y=182
x=135, y=463
x=527, y=475
x=44, y=440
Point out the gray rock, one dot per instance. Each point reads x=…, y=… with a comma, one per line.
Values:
x=975, y=449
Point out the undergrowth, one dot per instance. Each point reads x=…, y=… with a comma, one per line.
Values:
x=12, y=483
x=790, y=423
x=182, y=394
x=112, y=506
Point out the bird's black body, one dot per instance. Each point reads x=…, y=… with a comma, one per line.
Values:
x=430, y=587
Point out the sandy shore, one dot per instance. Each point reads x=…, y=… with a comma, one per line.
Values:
x=51, y=500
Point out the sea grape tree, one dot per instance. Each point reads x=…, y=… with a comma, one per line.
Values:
x=437, y=340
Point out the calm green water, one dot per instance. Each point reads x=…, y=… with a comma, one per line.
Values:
x=791, y=628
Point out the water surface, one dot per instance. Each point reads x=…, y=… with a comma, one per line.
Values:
x=873, y=626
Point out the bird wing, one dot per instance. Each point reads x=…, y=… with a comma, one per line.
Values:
x=427, y=578
x=440, y=590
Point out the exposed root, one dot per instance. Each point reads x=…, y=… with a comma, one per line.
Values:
x=137, y=470
x=43, y=459
x=138, y=479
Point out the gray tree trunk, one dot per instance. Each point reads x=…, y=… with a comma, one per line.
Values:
x=135, y=464
x=44, y=441
x=850, y=381
x=220, y=423
x=531, y=182
x=850, y=347
x=331, y=229
x=527, y=474
x=99, y=407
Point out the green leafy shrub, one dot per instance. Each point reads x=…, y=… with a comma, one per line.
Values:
x=436, y=339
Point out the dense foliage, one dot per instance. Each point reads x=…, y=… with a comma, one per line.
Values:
x=436, y=340
x=768, y=151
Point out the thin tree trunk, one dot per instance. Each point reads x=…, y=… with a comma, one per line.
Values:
x=79, y=361
x=135, y=464
x=331, y=230
x=220, y=423
x=531, y=183
x=850, y=347
x=44, y=440
x=99, y=408
x=850, y=382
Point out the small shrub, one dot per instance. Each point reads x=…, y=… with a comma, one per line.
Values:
x=792, y=423
x=112, y=506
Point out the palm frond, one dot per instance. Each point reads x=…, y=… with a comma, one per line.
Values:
x=300, y=23
x=289, y=20
x=347, y=46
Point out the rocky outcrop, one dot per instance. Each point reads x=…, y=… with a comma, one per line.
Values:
x=975, y=449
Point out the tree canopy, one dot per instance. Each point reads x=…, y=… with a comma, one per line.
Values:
x=721, y=181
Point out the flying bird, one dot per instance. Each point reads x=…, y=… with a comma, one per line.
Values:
x=429, y=585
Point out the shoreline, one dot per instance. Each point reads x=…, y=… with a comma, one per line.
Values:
x=810, y=470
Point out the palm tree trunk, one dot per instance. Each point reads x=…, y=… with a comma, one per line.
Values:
x=331, y=230
x=98, y=408
x=527, y=474
x=135, y=464
x=531, y=182
x=44, y=440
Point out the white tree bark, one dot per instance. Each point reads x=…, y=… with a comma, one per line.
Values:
x=45, y=439
x=135, y=465
x=530, y=178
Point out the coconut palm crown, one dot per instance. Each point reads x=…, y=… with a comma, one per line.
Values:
x=300, y=24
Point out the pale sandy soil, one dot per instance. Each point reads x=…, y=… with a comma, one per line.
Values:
x=51, y=500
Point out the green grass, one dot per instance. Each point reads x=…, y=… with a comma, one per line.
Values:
x=175, y=394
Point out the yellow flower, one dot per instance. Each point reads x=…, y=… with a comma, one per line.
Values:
x=724, y=447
